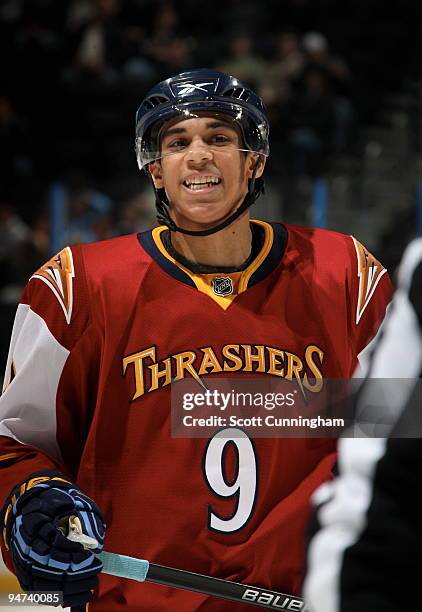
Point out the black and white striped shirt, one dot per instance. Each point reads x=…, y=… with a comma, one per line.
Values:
x=366, y=542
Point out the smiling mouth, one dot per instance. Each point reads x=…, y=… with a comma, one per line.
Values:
x=201, y=182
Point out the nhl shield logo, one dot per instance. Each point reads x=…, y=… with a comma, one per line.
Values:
x=222, y=285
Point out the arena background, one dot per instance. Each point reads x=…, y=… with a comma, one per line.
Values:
x=341, y=81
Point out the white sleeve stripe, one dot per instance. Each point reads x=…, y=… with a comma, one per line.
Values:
x=28, y=403
x=412, y=257
x=342, y=519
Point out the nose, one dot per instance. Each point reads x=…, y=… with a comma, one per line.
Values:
x=199, y=152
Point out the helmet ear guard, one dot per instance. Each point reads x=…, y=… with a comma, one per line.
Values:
x=198, y=93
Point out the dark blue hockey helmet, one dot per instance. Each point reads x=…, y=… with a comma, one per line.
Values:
x=197, y=93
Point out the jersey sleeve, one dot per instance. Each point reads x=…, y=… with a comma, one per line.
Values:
x=364, y=529
x=44, y=407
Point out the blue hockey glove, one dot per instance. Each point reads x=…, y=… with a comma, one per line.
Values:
x=44, y=559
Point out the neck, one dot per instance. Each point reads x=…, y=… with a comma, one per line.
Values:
x=229, y=247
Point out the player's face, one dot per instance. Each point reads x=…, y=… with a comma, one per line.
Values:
x=204, y=174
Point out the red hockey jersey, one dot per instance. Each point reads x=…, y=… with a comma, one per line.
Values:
x=102, y=331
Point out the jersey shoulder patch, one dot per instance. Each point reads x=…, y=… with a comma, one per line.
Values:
x=370, y=272
x=58, y=274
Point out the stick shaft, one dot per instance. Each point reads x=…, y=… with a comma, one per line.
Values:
x=226, y=589
x=141, y=570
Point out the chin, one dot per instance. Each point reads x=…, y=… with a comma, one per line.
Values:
x=202, y=216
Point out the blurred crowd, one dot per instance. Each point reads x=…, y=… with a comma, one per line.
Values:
x=73, y=73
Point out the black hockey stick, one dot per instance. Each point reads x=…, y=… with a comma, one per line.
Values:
x=141, y=570
x=144, y=571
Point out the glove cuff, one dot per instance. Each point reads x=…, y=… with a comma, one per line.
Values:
x=27, y=488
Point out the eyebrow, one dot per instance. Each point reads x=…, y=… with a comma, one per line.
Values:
x=214, y=125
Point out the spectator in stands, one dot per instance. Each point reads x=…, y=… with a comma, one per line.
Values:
x=23, y=248
x=15, y=156
x=136, y=214
x=37, y=44
x=90, y=212
x=100, y=46
x=167, y=47
x=339, y=80
x=317, y=50
x=243, y=62
x=308, y=120
x=167, y=21
x=285, y=68
x=245, y=15
x=13, y=234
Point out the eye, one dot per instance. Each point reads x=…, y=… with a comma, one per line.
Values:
x=220, y=139
x=177, y=144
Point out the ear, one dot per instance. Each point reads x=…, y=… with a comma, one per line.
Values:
x=253, y=160
x=156, y=173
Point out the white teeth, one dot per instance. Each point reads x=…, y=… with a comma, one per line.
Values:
x=199, y=182
x=197, y=186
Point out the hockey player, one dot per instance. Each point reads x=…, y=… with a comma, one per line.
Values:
x=103, y=330
x=366, y=533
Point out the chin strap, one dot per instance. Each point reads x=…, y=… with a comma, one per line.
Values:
x=255, y=189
